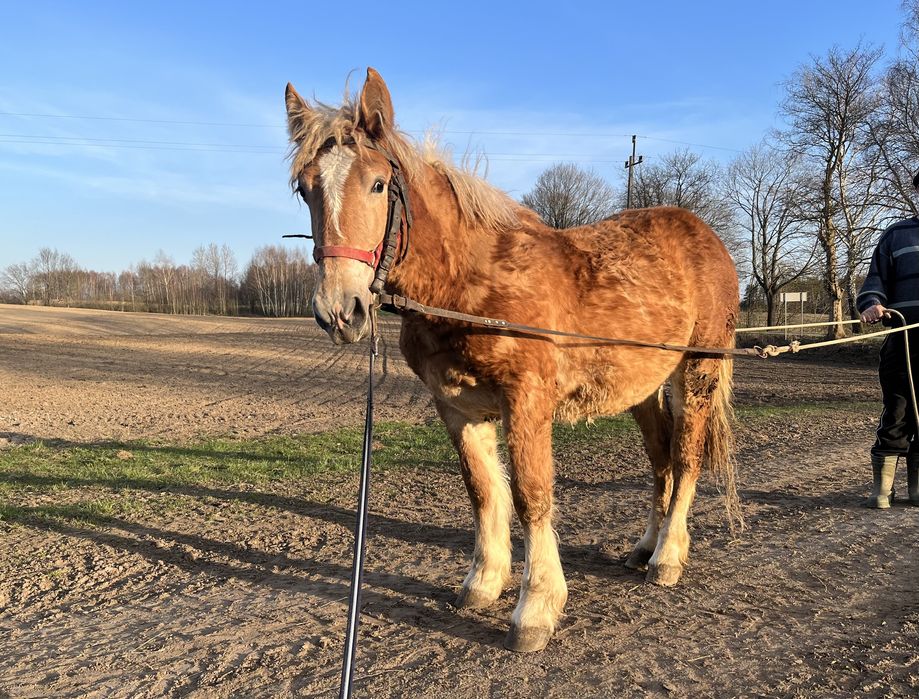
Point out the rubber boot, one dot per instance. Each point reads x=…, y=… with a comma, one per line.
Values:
x=912, y=478
x=884, y=468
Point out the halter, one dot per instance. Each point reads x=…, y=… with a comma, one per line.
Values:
x=399, y=216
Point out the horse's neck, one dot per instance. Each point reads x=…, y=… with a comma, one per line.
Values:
x=448, y=258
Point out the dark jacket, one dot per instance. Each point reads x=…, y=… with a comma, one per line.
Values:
x=893, y=278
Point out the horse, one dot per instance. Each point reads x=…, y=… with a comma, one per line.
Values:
x=656, y=275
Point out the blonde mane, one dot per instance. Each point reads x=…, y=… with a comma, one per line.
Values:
x=479, y=202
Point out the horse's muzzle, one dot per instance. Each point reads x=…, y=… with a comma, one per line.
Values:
x=345, y=323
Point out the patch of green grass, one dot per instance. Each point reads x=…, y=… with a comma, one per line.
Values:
x=49, y=465
x=94, y=510
x=41, y=480
x=48, y=479
x=598, y=429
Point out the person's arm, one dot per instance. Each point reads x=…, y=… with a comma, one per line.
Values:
x=873, y=295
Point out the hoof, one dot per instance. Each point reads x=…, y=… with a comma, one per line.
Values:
x=473, y=599
x=665, y=575
x=878, y=502
x=528, y=639
x=638, y=559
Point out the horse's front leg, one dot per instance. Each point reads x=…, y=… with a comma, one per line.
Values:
x=543, y=593
x=489, y=492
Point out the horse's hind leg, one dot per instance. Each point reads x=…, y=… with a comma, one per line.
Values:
x=486, y=483
x=656, y=424
x=694, y=385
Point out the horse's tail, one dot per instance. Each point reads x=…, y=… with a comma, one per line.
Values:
x=719, y=442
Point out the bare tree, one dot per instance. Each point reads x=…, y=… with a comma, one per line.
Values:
x=684, y=179
x=566, y=195
x=53, y=276
x=763, y=185
x=909, y=30
x=894, y=132
x=829, y=102
x=163, y=275
x=18, y=279
x=859, y=220
x=218, y=265
x=280, y=281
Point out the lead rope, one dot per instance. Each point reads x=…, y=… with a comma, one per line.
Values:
x=401, y=304
x=909, y=364
x=360, y=525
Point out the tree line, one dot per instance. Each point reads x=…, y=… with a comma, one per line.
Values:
x=276, y=282
x=807, y=203
x=800, y=210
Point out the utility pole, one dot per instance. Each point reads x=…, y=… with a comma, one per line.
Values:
x=630, y=164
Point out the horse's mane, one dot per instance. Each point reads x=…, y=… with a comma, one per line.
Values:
x=479, y=202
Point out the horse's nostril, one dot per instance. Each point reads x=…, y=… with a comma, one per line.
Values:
x=347, y=312
x=358, y=315
x=322, y=316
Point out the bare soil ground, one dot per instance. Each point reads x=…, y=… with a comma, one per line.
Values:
x=241, y=591
x=86, y=375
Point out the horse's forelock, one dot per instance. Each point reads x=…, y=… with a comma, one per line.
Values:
x=314, y=127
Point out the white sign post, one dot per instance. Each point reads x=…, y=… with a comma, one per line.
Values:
x=793, y=296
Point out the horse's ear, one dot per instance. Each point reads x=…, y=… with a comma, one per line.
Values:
x=297, y=110
x=376, y=114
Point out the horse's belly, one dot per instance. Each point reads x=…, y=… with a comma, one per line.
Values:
x=611, y=389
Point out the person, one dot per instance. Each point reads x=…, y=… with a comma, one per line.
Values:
x=893, y=283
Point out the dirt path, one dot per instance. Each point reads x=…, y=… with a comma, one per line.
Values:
x=241, y=592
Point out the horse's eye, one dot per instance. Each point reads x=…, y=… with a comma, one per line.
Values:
x=378, y=187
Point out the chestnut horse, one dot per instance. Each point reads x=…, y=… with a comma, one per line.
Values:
x=657, y=275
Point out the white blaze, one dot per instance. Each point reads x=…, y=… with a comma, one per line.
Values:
x=334, y=167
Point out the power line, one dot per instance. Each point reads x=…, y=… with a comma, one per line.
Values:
x=132, y=140
x=138, y=147
x=118, y=144
x=142, y=121
x=695, y=145
x=475, y=132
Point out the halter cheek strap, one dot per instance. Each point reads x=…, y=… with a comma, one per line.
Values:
x=398, y=223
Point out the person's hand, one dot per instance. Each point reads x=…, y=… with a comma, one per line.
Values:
x=874, y=314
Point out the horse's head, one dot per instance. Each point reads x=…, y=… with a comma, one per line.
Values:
x=344, y=172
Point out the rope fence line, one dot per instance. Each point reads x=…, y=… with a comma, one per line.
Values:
x=797, y=325
x=795, y=346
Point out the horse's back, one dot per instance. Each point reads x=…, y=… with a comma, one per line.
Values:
x=655, y=236
x=663, y=264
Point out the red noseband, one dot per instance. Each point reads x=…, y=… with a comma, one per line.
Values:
x=368, y=257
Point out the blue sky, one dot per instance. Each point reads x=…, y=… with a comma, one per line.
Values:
x=528, y=84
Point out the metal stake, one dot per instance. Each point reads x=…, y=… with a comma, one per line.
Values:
x=360, y=529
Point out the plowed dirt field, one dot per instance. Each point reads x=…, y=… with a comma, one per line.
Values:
x=240, y=590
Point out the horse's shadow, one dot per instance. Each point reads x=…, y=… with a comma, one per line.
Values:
x=328, y=580
x=457, y=540
x=383, y=590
